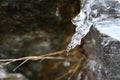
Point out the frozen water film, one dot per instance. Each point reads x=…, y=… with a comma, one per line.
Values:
x=93, y=12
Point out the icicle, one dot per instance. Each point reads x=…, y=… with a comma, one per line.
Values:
x=82, y=28
x=101, y=9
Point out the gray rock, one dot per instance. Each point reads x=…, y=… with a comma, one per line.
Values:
x=104, y=48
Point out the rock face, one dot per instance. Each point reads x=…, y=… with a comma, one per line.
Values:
x=34, y=27
x=104, y=48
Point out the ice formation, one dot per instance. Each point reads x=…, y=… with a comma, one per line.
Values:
x=92, y=12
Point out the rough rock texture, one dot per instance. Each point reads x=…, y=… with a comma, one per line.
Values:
x=105, y=51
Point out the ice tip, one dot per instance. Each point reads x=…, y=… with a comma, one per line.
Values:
x=68, y=49
x=67, y=52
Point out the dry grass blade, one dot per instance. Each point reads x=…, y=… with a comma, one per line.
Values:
x=21, y=64
x=76, y=68
x=41, y=57
x=55, y=53
x=36, y=57
x=70, y=71
x=73, y=72
x=44, y=57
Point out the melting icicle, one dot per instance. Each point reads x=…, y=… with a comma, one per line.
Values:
x=83, y=26
x=92, y=11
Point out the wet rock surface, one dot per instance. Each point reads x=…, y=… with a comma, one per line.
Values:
x=34, y=27
x=31, y=15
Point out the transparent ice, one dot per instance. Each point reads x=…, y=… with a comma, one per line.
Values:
x=92, y=12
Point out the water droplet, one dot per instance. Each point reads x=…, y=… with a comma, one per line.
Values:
x=57, y=13
x=66, y=63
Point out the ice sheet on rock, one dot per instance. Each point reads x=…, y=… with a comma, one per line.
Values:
x=110, y=27
x=92, y=12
